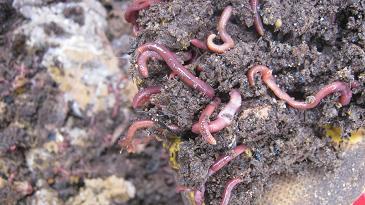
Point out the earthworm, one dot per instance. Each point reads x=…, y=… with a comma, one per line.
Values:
x=266, y=75
x=204, y=131
x=133, y=9
x=144, y=95
x=228, y=190
x=225, y=116
x=226, y=38
x=135, y=30
x=202, y=126
x=184, y=74
x=222, y=161
x=127, y=141
x=199, y=44
x=257, y=19
x=360, y=200
x=143, y=58
x=199, y=196
x=217, y=165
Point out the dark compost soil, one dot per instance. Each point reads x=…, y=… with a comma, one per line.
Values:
x=319, y=42
x=32, y=109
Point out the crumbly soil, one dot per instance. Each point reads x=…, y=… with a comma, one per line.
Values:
x=31, y=109
x=318, y=42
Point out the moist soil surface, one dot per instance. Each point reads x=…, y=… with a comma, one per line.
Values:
x=307, y=45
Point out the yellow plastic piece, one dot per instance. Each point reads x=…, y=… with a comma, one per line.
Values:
x=248, y=153
x=357, y=136
x=173, y=149
x=335, y=134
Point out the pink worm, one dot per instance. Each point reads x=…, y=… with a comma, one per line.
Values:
x=184, y=74
x=257, y=19
x=217, y=165
x=144, y=95
x=224, y=118
x=224, y=160
x=266, y=75
x=133, y=9
x=199, y=44
x=228, y=190
x=202, y=126
x=128, y=141
x=226, y=38
x=143, y=58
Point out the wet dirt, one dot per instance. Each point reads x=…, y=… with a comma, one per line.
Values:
x=318, y=42
x=34, y=115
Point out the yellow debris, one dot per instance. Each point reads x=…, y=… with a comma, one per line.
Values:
x=173, y=150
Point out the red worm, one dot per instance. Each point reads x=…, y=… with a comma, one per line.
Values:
x=142, y=60
x=222, y=161
x=226, y=38
x=204, y=131
x=133, y=9
x=184, y=74
x=127, y=142
x=199, y=196
x=266, y=75
x=135, y=30
x=224, y=118
x=257, y=19
x=199, y=44
x=144, y=95
x=202, y=126
x=228, y=190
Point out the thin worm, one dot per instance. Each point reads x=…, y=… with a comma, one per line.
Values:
x=199, y=44
x=204, y=131
x=132, y=11
x=228, y=42
x=199, y=196
x=225, y=116
x=127, y=142
x=184, y=74
x=257, y=18
x=217, y=165
x=202, y=126
x=142, y=60
x=222, y=161
x=144, y=95
x=266, y=75
x=228, y=190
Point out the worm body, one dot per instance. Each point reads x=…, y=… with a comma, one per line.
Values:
x=222, y=161
x=132, y=11
x=257, y=19
x=199, y=44
x=144, y=95
x=184, y=74
x=127, y=142
x=225, y=116
x=228, y=190
x=268, y=79
x=226, y=38
x=143, y=59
